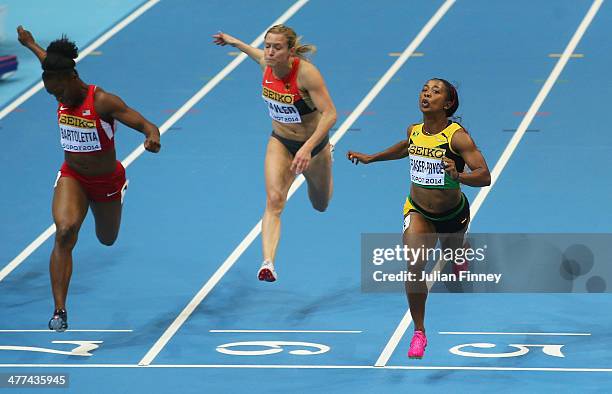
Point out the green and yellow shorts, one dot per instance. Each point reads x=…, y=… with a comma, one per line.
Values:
x=451, y=221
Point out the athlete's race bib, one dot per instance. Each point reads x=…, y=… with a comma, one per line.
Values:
x=426, y=166
x=78, y=134
x=281, y=106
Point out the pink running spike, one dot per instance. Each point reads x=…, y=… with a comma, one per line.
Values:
x=417, y=345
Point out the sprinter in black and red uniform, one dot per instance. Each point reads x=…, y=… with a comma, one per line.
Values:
x=91, y=176
x=302, y=113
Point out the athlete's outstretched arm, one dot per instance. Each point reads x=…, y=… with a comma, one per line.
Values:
x=254, y=53
x=395, y=152
x=463, y=144
x=110, y=106
x=27, y=40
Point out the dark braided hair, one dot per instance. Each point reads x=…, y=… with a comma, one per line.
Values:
x=451, y=95
x=60, y=58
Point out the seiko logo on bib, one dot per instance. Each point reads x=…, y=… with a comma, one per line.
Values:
x=281, y=106
x=283, y=98
x=70, y=120
x=436, y=153
x=78, y=134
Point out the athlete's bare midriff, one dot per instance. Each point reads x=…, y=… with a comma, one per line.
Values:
x=435, y=200
x=298, y=131
x=92, y=164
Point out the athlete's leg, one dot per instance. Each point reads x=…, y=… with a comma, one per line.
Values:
x=420, y=234
x=278, y=181
x=455, y=241
x=108, y=220
x=69, y=209
x=320, y=179
x=453, y=237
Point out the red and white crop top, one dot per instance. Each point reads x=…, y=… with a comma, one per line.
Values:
x=82, y=130
x=283, y=97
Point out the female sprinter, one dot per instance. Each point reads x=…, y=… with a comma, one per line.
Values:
x=302, y=113
x=91, y=176
x=438, y=150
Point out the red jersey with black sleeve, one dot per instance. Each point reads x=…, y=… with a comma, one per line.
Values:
x=82, y=130
x=283, y=97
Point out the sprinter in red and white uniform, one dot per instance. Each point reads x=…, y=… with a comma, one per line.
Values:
x=302, y=114
x=91, y=176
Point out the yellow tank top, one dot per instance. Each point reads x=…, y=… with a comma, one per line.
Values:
x=426, y=153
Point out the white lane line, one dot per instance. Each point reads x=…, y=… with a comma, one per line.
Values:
x=397, y=335
x=246, y=242
x=517, y=369
x=513, y=333
x=272, y=366
x=51, y=332
x=216, y=277
x=140, y=149
x=503, y=160
x=92, y=47
x=27, y=252
x=290, y=331
x=537, y=103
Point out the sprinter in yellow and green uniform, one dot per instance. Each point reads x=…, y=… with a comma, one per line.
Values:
x=438, y=150
x=428, y=170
